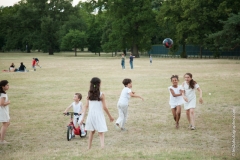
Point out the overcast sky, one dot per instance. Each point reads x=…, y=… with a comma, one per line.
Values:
x=12, y=2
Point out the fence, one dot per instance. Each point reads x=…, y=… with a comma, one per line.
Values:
x=193, y=51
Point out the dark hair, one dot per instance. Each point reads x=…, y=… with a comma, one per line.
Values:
x=2, y=84
x=174, y=76
x=192, y=82
x=94, y=91
x=126, y=81
x=79, y=95
x=21, y=63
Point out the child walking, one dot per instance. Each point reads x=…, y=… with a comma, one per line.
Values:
x=150, y=58
x=4, y=110
x=34, y=64
x=189, y=87
x=176, y=99
x=96, y=104
x=123, y=104
x=77, y=108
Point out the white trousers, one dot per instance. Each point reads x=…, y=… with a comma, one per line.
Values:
x=122, y=114
x=75, y=122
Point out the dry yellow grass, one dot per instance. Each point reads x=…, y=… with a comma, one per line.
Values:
x=38, y=128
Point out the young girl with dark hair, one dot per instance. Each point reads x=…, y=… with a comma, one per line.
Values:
x=96, y=120
x=189, y=96
x=123, y=104
x=4, y=110
x=176, y=99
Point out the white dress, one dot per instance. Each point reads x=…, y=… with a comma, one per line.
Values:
x=4, y=110
x=96, y=119
x=190, y=94
x=175, y=101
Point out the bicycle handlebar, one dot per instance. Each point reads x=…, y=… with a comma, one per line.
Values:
x=72, y=113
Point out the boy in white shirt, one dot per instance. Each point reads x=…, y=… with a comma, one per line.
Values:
x=123, y=103
x=77, y=108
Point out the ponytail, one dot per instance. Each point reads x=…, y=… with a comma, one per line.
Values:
x=94, y=91
x=2, y=84
x=192, y=82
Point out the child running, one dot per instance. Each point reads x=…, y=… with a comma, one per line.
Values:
x=176, y=99
x=4, y=110
x=189, y=96
x=96, y=104
x=123, y=104
x=77, y=108
x=123, y=61
x=34, y=64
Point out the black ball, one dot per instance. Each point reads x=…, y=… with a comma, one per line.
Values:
x=167, y=42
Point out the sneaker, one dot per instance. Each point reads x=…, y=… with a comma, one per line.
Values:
x=193, y=128
x=124, y=129
x=83, y=134
x=117, y=127
x=190, y=126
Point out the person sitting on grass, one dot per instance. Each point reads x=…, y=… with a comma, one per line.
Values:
x=12, y=68
x=22, y=67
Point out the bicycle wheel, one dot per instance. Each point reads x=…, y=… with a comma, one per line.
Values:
x=69, y=133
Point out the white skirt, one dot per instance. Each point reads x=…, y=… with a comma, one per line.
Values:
x=190, y=104
x=4, y=114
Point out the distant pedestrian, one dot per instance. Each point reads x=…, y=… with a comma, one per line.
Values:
x=37, y=62
x=123, y=61
x=131, y=60
x=34, y=64
x=150, y=58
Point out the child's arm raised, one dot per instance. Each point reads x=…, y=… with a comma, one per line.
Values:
x=105, y=108
x=132, y=94
x=84, y=111
x=200, y=97
x=66, y=110
x=173, y=93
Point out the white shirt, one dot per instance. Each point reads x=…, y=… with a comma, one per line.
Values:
x=175, y=101
x=189, y=92
x=77, y=107
x=124, y=97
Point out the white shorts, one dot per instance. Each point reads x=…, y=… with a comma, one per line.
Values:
x=174, y=106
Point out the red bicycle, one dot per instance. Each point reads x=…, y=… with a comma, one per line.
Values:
x=71, y=127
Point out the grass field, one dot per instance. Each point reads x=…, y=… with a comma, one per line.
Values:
x=38, y=99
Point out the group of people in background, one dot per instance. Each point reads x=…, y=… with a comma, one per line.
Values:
x=131, y=60
x=22, y=67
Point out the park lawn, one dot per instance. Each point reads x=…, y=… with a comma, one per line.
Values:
x=38, y=99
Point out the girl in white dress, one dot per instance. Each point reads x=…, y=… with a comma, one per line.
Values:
x=96, y=120
x=4, y=110
x=176, y=99
x=189, y=96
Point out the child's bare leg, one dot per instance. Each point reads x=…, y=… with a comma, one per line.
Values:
x=178, y=114
x=101, y=136
x=188, y=115
x=3, y=130
x=90, y=139
x=174, y=113
x=192, y=116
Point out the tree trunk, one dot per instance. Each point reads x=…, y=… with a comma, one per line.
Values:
x=38, y=50
x=95, y=53
x=75, y=49
x=50, y=51
x=112, y=54
x=115, y=53
x=125, y=52
x=99, y=53
x=201, y=52
x=135, y=50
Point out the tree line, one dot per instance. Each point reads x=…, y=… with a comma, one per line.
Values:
x=112, y=25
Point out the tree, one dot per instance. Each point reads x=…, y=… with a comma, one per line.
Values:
x=229, y=37
x=133, y=23
x=74, y=39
